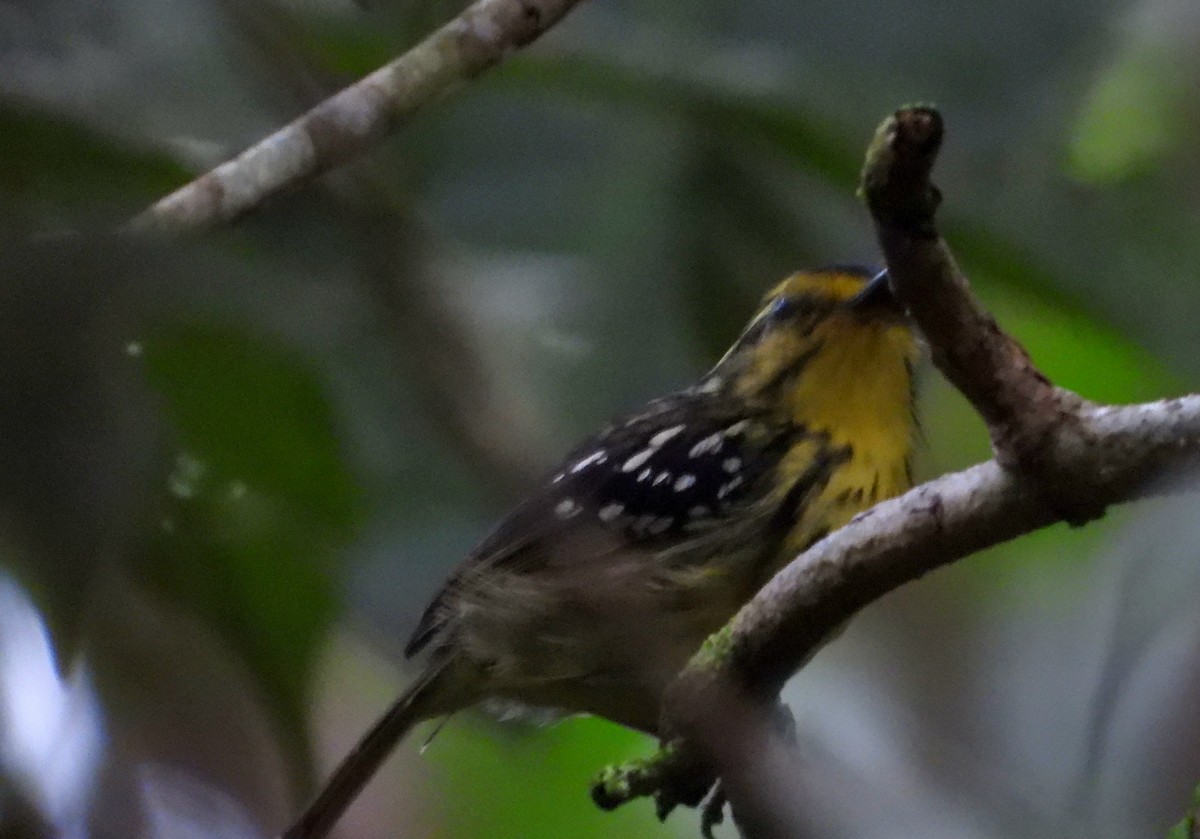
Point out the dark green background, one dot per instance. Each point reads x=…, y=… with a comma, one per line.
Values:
x=235, y=468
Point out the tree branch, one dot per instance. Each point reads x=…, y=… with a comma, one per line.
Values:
x=351, y=121
x=1058, y=458
x=942, y=521
x=1025, y=413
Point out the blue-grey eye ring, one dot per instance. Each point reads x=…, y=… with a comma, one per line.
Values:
x=781, y=307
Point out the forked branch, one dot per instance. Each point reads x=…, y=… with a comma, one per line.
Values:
x=1058, y=458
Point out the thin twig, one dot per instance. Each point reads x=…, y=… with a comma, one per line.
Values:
x=349, y=122
x=1025, y=413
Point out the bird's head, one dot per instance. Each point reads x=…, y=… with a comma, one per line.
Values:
x=831, y=348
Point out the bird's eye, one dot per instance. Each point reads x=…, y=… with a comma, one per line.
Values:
x=781, y=307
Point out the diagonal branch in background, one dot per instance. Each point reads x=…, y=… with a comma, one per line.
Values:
x=1058, y=458
x=350, y=121
x=443, y=356
x=441, y=353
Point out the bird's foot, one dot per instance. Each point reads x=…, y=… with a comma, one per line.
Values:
x=671, y=776
x=674, y=776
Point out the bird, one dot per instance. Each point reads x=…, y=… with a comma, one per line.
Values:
x=650, y=534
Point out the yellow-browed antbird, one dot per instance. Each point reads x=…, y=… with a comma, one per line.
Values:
x=651, y=534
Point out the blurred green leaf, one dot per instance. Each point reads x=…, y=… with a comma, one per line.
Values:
x=1133, y=115
x=347, y=48
x=549, y=796
x=1073, y=349
x=1183, y=830
x=718, y=116
x=1077, y=352
x=785, y=128
x=257, y=499
x=256, y=414
x=1188, y=828
x=348, y=45
x=741, y=123
x=50, y=161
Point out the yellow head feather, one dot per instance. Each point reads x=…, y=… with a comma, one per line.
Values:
x=817, y=357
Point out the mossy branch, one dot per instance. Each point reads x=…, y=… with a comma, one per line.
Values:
x=1058, y=458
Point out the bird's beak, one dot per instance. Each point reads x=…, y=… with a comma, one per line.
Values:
x=876, y=295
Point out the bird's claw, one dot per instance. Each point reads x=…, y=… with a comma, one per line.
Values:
x=713, y=812
x=671, y=776
x=674, y=777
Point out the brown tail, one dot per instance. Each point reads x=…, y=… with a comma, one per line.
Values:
x=418, y=703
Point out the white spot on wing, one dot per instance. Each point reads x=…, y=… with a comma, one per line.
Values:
x=729, y=487
x=663, y=476
x=644, y=474
x=596, y=457
x=731, y=464
x=737, y=428
x=637, y=460
x=643, y=523
x=610, y=512
x=698, y=512
x=566, y=508
x=710, y=385
x=684, y=481
x=711, y=443
x=660, y=525
x=663, y=436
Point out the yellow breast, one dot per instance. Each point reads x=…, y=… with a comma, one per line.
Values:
x=858, y=395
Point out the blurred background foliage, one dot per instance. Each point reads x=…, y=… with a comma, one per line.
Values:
x=233, y=470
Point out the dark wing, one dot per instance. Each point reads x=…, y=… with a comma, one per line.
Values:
x=654, y=478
